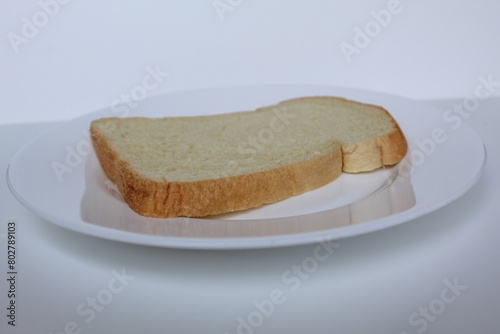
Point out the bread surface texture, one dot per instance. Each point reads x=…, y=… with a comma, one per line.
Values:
x=208, y=165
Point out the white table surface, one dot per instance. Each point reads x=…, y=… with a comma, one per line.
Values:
x=436, y=274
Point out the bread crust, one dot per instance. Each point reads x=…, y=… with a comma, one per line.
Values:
x=165, y=199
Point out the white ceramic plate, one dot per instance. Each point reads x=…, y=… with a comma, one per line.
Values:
x=59, y=178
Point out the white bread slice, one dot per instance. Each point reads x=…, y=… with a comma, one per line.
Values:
x=208, y=165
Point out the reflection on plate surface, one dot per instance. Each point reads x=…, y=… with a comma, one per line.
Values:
x=103, y=205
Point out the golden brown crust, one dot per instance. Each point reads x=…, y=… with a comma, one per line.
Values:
x=215, y=196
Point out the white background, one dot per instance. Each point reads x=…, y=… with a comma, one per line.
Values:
x=89, y=53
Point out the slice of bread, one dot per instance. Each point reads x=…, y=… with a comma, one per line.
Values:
x=208, y=165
